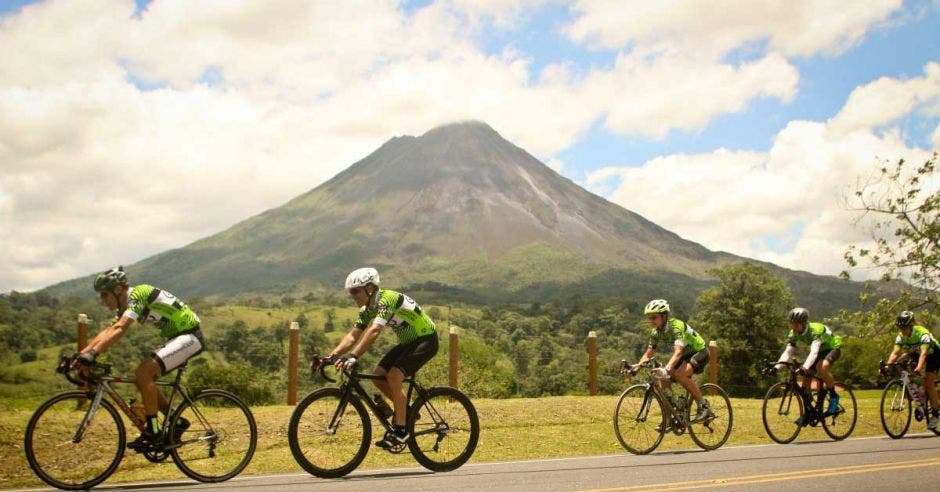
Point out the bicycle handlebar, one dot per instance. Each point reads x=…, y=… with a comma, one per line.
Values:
x=95, y=370
x=318, y=364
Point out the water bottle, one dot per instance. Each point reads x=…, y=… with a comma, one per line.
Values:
x=384, y=410
x=137, y=408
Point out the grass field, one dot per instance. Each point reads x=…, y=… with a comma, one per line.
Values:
x=512, y=429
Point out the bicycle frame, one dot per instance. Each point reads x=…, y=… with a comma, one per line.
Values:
x=654, y=386
x=103, y=386
x=350, y=384
x=813, y=408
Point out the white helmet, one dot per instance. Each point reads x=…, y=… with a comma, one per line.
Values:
x=362, y=277
x=657, y=306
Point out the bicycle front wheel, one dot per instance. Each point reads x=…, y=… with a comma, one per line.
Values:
x=895, y=410
x=782, y=408
x=444, y=429
x=841, y=424
x=639, y=419
x=54, y=455
x=220, y=438
x=329, y=436
x=713, y=431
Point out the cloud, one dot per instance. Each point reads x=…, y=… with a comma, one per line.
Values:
x=886, y=100
x=711, y=29
x=742, y=202
x=122, y=136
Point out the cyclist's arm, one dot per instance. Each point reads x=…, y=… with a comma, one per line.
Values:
x=813, y=353
x=786, y=355
x=109, y=336
x=367, y=338
x=347, y=341
x=922, y=360
x=676, y=355
x=647, y=355
x=894, y=354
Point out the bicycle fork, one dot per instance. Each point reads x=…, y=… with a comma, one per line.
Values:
x=90, y=414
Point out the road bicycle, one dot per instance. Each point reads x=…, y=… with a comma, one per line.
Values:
x=900, y=397
x=76, y=439
x=789, y=406
x=330, y=430
x=646, y=411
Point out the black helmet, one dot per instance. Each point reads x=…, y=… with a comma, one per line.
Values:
x=105, y=281
x=798, y=315
x=906, y=318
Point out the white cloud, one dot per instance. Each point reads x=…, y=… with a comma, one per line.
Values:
x=652, y=97
x=725, y=199
x=711, y=29
x=886, y=100
x=96, y=171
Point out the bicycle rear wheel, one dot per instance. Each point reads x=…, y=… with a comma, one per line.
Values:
x=782, y=408
x=712, y=432
x=444, y=429
x=329, y=437
x=639, y=419
x=63, y=463
x=895, y=410
x=220, y=439
x=841, y=425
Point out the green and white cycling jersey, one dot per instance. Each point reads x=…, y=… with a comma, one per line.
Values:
x=146, y=303
x=919, y=336
x=816, y=332
x=399, y=312
x=676, y=332
x=819, y=338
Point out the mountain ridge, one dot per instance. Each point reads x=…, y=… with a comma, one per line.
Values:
x=458, y=206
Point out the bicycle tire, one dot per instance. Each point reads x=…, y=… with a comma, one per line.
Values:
x=319, y=451
x=444, y=428
x=58, y=425
x=220, y=440
x=708, y=434
x=841, y=425
x=895, y=410
x=777, y=412
x=632, y=417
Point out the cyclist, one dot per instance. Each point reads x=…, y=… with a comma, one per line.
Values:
x=417, y=342
x=824, y=350
x=177, y=323
x=689, y=354
x=915, y=341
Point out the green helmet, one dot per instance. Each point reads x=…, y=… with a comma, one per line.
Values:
x=105, y=281
x=657, y=306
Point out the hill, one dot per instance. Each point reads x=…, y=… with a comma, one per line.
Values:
x=459, y=214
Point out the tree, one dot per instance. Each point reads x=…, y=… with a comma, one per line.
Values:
x=746, y=313
x=903, y=204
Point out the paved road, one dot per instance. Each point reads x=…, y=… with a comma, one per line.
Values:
x=880, y=463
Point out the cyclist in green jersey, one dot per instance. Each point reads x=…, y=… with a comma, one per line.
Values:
x=689, y=353
x=178, y=324
x=916, y=342
x=417, y=341
x=824, y=350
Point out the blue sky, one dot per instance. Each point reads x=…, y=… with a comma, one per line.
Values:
x=736, y=124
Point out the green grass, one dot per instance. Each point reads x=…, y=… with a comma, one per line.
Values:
x=513, y=429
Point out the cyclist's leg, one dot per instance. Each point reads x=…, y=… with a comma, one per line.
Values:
x=930, y=378
x=825, y=372
x=406, y=361
x=689, y=365
x=169, y=356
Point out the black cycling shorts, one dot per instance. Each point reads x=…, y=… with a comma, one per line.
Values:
x=698, y=360
x=933, y=360
x=409, y=357
x=831, y=355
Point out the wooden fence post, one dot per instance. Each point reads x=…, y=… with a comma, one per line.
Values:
x=713, y=362
x=82, y=331
x=592, y=362
x=292, y=363
x=453, y=366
